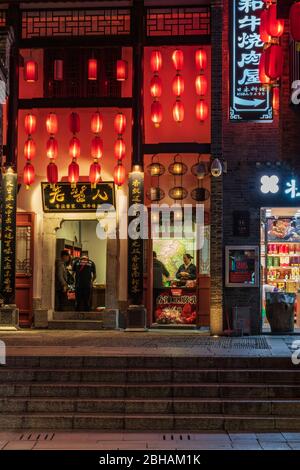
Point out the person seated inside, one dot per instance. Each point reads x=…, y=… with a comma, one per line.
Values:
x=187, y=271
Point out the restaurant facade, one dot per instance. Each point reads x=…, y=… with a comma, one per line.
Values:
x=125, y=103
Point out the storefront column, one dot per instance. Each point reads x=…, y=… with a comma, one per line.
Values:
x=112, y=274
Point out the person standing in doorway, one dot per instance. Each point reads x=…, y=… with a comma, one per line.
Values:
x=61, y=279
x=85, y=272
x=159, y=270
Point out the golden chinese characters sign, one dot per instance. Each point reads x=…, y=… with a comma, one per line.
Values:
x=64, y=197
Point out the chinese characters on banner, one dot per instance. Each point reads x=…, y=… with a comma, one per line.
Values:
x=62, y=197
x=249, y=99
x=135, y=247
x=8, y=245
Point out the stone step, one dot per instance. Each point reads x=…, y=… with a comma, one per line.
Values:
x=150, y=422
x=75, y=325
x=140, y=376
x=73, y=315
x=174, y=406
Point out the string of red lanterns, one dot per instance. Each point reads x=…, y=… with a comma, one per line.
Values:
x=74, y=149
x=96, y=148
x=52, y=148
x=119, y=149
x=178, y=85
x=201, y=85
x=156, y=87
x=29, y=150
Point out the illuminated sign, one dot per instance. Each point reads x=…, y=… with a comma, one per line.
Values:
x=289, y=188
x=249, y=99
x=269, y=184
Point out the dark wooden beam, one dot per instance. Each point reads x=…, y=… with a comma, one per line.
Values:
x=198, y=40
x=105, y=102
x=176, y=147
x=81, y=41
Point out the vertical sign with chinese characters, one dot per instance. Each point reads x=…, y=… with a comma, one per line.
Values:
x=249, y=99
x=135, y=246
x=8, y=245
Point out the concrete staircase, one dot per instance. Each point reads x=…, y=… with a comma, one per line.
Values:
x=75, y=321
x=150, y=393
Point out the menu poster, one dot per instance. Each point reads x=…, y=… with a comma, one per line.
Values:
x=287, y=229
x=241, y=266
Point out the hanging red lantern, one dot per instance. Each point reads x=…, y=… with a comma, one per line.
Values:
x=178, y=85
x=119, y=174
x=97, y=147
x=264, y=36
x=95, y=173
x=201, y=85
x=52, y=148
x=200, y=59
x=276, y=98
x=29, y=149
x=30, y=123
x=52, y=173
x=122, y=70
x=58, y=73
x=92, y=69
x=201, y=110
x=178, y=111
x=155, y=87
x=263, y=78
x=177, y=59
x=28, y=175
x=73, y=172
x=74, y=147
x=119, y=149
x=274, y=26
x=97, y=123
x=156, y=113
x=155, y=61
x=30, y=71
x=274, y=61
x=51, y=123
x=295, y=21
x=74, y=123
x=120, y=123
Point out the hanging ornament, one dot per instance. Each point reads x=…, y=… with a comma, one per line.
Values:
x=52, y=123
x=156, y=61
x=74, y=147
x=97, y=147
x=73, y=173
x=177, y=59
x=200, y=60
x=200, y=169
x=155, y=194
x=201, y=85
x=276, y=98
x=30, y=71
x=178, y=85
x=122, y=70
x=155, y=87
x=177, y=168
x=263, y=77
x=119, y=149
x=178, y=111
x=295, y=21
x=92, y=69
x=52, y=173
x=120, y=123
x=74, y=123
x=200, y=194
x=52, y=148
x=178, y=193
x=264, y=35
x=29, y=149
x=119, y=174
x=274, y=61
x=58, y=73
x=97, y=123
x=28, y=175
x=201, y=110
x=95, y=173
x=216, y=168
x=274, y=26
x=30, y=123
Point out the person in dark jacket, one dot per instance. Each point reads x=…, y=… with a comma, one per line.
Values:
x=187, y=270
x=61, y=279
x=159, y=270
x=85, y=272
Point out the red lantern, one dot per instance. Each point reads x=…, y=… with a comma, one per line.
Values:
x=74, y=123
x=295, y=21
x=120, y=149
x=120, y=123
x=155, y=87
x=73, y=173
x=156, y=113
x=178, y=111
x=276, y=98
x=156, y=61
x=58, y=70
x=178, y=85
x=29, y=149
x=52, y=148
x=119, y=174
x=201, y=85
x=92, y=69
x=97, y=123
x=177, y=59
x=122, y=70
x=30, y=71
x=52, y=173
x=201, y=110
x=200, y=59
x=263, y=78
x=264, y=36
x=30, y=123
x=28, y=176
x=97, y=147
x=51, y=123
x=95, y=173
x=274, y=26
x=74, y=147
x=274, y=61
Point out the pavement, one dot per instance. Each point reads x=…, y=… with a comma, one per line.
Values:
x=152, y=343
x=148, y=441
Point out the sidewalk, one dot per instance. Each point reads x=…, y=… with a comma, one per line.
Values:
x=148, y=441
x=151, y=343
